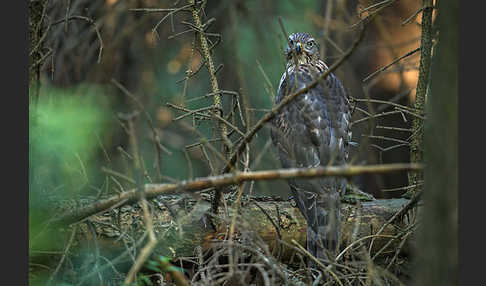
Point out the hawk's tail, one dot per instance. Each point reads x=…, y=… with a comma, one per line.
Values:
x=322, y=213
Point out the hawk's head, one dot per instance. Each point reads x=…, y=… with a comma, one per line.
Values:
x=303, y=47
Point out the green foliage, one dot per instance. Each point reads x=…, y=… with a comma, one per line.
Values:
x=66, y=133
x=67, y=122
x=66, y=129
x=144, y=280
x=162, y=263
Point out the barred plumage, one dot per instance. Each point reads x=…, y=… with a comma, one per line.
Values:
x=313, y=130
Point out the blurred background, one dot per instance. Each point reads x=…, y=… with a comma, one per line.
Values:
x=80, y=105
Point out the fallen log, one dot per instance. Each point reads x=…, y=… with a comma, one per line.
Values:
x=181, y=224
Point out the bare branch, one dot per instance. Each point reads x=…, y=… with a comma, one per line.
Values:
x=153, y=190
x=389, y=65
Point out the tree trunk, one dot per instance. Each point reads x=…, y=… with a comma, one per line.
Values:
x=437, y=262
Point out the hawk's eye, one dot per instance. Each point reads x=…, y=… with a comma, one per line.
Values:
x=310, y=44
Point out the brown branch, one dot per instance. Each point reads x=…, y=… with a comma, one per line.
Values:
x=153, y=190
x=371, y=16
x=376, y=116
x=267, y=80
x=171, y=12
x=376, y=5
x=389, y=65
x=393, y=128
x=189, y=112
x=418, y=116
x=229, y=125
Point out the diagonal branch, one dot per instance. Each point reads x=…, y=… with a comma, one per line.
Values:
x=389, y=65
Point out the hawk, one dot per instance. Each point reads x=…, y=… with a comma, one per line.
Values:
x=313, y=130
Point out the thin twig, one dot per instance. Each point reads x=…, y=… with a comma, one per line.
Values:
x=146, y=251
x=394, y=128
x=413, y=201
x=267, y=80
x=413, y=16
x=313, y=258
x=64, y=254
x=171, y=11
x=386, y=138
x=401, y=188
x=156, y=139
x=358, y=241
x=389, y=65
x=113, y=261
x=375, y=116
x=370, y=17
x=117, y=174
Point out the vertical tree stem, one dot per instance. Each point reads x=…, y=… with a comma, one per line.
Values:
x=36, y=9
x=416, y=147
x=217, y=101
x=35, y=34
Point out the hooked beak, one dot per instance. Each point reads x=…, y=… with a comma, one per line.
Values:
x=298, y=48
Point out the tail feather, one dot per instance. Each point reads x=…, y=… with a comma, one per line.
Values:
x=322, y=213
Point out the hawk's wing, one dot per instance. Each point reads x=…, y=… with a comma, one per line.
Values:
x=313, y=129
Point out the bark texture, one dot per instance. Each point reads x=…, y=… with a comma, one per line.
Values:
x=437, y=262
